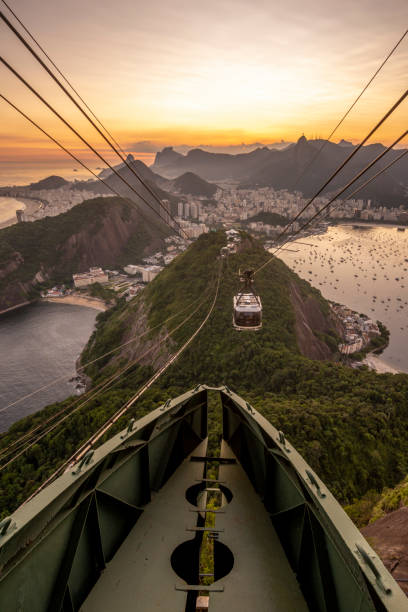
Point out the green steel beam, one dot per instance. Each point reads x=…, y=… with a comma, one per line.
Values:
x=326, y=550
x=54, y=548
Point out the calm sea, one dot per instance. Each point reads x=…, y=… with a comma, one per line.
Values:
x=39, y=343
x=365, y=268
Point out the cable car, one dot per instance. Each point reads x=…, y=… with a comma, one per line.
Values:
x=247, y=314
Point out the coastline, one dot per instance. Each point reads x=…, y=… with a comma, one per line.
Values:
x=376, y=363
x=29, y=205
x=17, y=306
x=76, y=300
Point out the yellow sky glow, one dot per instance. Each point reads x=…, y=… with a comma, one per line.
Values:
x=222, y=73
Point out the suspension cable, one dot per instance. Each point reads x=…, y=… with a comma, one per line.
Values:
x=345, y=162
x=61, y=73
x=389, y=112
x=75, y=158
x=89, y=363
x=290, y=239
x=101, y=387
x=364, y=184
x=66, y=123
x=64, y=89
x=325, y=142
x=114, y=418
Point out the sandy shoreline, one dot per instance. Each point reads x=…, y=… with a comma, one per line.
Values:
x=375, y=363
x=29, y=206
x=76, y=300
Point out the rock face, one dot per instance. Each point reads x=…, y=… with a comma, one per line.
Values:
x=310, y=321
x=104, y=232
x=389, y=537
x=166, y=157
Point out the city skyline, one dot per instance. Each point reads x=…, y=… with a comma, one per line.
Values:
x=218, y=75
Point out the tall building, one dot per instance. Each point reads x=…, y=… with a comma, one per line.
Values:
x=180, y=209
x=186, y=210
x=194, y=210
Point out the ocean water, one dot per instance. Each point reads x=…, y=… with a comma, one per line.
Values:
x=365, y=268
x=8, y=207
x=39, y=343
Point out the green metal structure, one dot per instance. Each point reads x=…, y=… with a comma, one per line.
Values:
x=122, y=530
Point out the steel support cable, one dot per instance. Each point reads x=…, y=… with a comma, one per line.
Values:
x=345, y=162
x=88, y=363
x=148, y=384
x=102, y=387
x=114, y=191
x=348, y=110
x=394, y=161
x=67, y=124
x=363, y=171
x=6, y=451
x=61, y=73
x=75, y=158
x=335, y=198
x=64, y=89
x=108, y=424
x=389, y=112
x=52, y=417
x=359, y=175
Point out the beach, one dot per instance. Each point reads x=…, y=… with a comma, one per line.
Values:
x=375, y=363
x=78, y=300
x=8, y=207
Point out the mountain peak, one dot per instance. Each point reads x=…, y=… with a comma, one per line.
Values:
x=167, y=156
x=345, y=143
x=51, y=182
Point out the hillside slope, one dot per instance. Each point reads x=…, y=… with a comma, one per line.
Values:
x=350, y=425
x=191, y=184
x=101, y=232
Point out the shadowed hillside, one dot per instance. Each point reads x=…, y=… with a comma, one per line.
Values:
x=103, y=232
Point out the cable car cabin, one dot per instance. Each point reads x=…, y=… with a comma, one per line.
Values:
x=247, y=312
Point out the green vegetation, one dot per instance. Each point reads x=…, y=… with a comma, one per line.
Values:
x=376, y=345
x=101, y=291
x=350, y=425
x=57, y=247
x=374, y=505
x=269, y=218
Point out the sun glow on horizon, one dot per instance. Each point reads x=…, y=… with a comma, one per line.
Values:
x=223, y=74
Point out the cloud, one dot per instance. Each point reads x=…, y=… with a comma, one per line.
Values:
x=146, y=146
x=151, y=146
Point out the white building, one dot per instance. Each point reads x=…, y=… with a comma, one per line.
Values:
x=95, y=275
x=150, y=272
x=132, y=269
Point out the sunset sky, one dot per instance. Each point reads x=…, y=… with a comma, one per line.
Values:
x=201, y=73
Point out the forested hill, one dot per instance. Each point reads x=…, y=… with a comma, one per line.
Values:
x=103, y=232
x=350, y=425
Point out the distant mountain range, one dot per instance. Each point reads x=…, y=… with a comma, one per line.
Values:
x=288, y=168
x=187, y=183
x=174, y=175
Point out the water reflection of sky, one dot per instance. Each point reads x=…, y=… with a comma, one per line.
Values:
x=364, y=268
